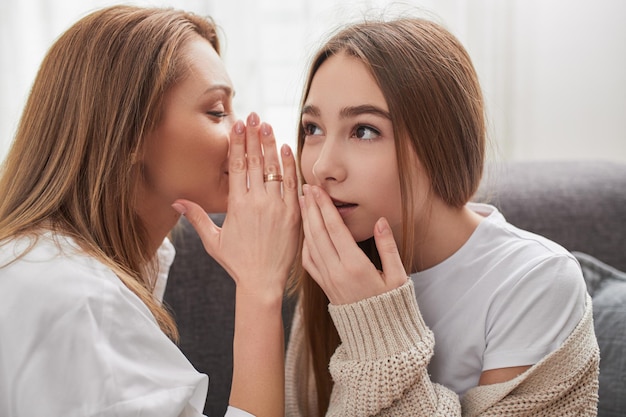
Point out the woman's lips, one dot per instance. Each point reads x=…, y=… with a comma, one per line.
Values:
x=344, y=208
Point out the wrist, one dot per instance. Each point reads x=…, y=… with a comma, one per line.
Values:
x=259, y=299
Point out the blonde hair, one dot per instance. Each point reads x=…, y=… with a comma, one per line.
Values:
x=72, y=167
x=436, y=107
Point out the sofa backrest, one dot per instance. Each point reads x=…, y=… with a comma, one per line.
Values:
x=578, y=204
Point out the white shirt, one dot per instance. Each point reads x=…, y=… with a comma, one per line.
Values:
x=506, y=298
x=75, y=341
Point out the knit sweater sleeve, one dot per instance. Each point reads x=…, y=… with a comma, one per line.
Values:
x=380, y=368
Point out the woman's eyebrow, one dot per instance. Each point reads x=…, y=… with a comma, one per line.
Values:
x=223, y=87
x=311, y=110
x=349, y=112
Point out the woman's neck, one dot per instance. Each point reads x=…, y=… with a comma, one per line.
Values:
x=443, y=232
x=159, y=219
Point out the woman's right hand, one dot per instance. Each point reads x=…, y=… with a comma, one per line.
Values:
x=257, y=246
x=334, y=260
x=258, y=241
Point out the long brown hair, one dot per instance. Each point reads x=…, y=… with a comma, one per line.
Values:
x=72, y=166
x=436, y=107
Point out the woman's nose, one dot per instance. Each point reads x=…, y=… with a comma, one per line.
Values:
x=230, y=121
x=329, y=165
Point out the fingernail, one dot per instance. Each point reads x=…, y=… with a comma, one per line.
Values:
x=316, y=191
x=305, y=189
x=239, y=127
x=266, y=129
x=286, y=150
x=253, y=119
x=179, y=208
x=382, y=225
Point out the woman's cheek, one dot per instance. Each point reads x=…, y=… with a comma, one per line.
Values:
x=307, y=160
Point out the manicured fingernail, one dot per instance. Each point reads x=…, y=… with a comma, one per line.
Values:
x=179, y=208
x=266, y=129
x=239, y=127
x=382, y=225
x=286, y=150
x=253, y=119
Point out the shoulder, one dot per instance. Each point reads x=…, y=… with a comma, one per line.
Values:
x=532, y=269
x=529, y=280
x=522, y=256
x=496, y=227
x=53, y=264
x=51, y=276
x=544, y=284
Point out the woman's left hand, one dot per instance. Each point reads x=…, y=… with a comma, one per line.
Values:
x=335, y=261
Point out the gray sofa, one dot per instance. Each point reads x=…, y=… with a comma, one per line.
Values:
x=581, y=205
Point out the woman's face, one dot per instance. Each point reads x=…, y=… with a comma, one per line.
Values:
x=349, y=147
x=186, y=155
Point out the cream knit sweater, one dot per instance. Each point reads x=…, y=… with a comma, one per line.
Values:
x=380, y=369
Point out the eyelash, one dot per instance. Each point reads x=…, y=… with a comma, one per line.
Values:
x=375, y=132
x=307, y=126
x=218, y=114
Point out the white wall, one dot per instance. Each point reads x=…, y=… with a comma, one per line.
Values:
x=553, y=71
x=554, y=75
x=569, y=98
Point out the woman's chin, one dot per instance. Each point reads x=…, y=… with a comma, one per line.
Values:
x=362, y=237
x=214, y=206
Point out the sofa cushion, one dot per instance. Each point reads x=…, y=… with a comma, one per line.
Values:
x=607, y=287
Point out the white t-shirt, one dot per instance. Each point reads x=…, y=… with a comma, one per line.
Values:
x=75, y=341
x=506, y=298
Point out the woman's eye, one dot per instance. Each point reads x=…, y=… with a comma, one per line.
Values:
x=218, y=114
x=366, y=133
x=312, y=130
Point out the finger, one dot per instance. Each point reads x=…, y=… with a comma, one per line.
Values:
x=321, y=248
x=205, y=227
x=237, y=166
x=254, y=153
x=309, y=265
x=338, y=232
x=394, y=273
x=270, y=157
x=290, y=177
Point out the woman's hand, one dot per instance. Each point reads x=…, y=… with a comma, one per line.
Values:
x=257, y=246
x=333, y=258
x=257, y=242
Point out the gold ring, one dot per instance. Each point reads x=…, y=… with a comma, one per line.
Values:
x=272, y=177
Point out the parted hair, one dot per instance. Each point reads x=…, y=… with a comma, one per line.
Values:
x=72, y=165
x=437, y=112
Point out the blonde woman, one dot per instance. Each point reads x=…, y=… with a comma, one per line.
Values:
x=126, y=128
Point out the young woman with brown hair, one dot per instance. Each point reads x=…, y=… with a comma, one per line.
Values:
x=128, y=126
x=493, y=320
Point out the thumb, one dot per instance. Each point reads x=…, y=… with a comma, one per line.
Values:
x=205, y=227
x=394, y=273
